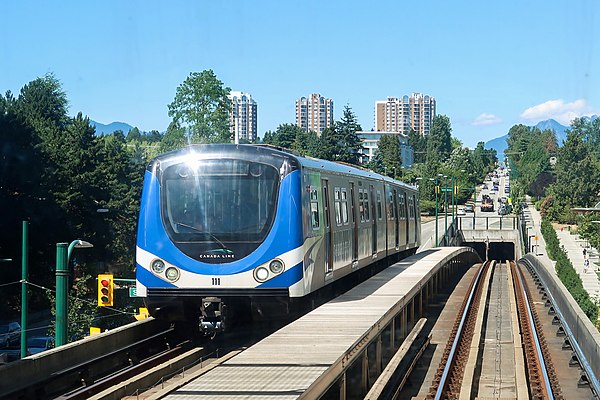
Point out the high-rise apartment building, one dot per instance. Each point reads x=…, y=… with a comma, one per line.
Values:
x=242, y=117
x=406, y=113
x=314, y=113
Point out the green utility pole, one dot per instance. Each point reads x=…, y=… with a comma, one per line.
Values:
x=63, y=254
x=24, y=278
x=453, y=188
x=446, y=212
x=62, y=277
x=437, y=242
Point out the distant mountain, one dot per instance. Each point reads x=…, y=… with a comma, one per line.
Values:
x=558, y=128
x=102, y=129
x=499, y=144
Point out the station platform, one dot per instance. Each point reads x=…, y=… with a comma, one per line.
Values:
x=340, y=343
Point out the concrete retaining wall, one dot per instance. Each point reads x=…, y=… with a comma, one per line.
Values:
x=30, y=370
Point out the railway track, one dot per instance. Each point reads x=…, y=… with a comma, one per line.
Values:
x=490, y=353
x=131, y=364
x=156, y=370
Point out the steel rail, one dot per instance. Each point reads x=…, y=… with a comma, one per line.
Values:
x=119, y=376
x=539, y=354
x=441, y=389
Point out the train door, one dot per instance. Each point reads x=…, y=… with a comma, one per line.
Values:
x=410, y=226
x=396, y=219
x=328, y=231
x=354, y=223
x=374, y=226
x=404, y=216
x=414, y=230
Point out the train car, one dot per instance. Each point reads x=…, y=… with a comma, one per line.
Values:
x=227, y=230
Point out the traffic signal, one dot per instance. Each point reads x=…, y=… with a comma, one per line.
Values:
x=105, y=290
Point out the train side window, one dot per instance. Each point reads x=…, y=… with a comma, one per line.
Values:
x=402, y=207
x=338, y=207
x=366, y=207
x=391, y=215
x=361, y=205
x=344, y=206
x=379, y=214
x=314, y=207
x=326, y=205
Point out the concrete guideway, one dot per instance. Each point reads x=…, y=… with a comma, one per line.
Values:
x=340, y=346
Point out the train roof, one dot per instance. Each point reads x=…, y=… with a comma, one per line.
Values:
x=306, y=162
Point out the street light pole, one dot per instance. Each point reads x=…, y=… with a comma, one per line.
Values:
x=62, y=275
x=24, y=278
x=445, y=211
x=63, y=253
x=453, y=205
x=435, y=189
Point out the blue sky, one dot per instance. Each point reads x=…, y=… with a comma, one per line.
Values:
x=489, y=66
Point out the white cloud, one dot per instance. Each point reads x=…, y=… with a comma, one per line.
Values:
x=558, y=110
x=486, y=119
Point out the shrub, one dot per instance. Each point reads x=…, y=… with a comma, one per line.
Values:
x=566, y=273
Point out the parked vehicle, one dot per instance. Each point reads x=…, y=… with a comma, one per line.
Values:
x=10, y=334
x=469, y=207
x=37, y=344
x=503, y=209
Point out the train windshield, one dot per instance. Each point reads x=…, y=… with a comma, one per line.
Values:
x=220, y=203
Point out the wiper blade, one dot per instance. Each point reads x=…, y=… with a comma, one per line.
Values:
x=216, y=239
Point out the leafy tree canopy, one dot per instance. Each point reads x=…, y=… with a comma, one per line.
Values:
x=201, y=108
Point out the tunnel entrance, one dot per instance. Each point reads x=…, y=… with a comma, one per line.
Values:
x=496, y=250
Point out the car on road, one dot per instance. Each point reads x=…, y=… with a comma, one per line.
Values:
x=37, y=344
x=469, y=207
x=503, y=209
x=10, y=334
x=460, y=211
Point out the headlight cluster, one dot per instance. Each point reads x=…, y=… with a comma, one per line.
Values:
x=171, y=273
x=263, y=274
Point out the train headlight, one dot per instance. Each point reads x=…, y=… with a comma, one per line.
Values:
x=158, y=266
x=261, y=274
x=276, y=266
x=172, y=274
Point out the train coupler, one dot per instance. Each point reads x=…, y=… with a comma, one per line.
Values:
x=212, y=316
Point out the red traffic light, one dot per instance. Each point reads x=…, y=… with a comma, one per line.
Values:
x=105, y=290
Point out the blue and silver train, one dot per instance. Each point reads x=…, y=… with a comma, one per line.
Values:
x=226, y=230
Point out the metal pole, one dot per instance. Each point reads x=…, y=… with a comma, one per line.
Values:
x=62, y=276
x=446, y=212
x=453, y=200
x=437, y=242
x=24, y=278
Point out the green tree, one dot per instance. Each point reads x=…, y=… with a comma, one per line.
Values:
x=175, y=138
x=419, y=146
x=349, y=143
x=201, y=107
x=134, y=134
x=577, y=175
x=43, y=104
x=518, y=140
x=285, y=136
x=389, y=150
x=439, y=143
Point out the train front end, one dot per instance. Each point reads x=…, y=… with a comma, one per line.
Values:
x=219, y=233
